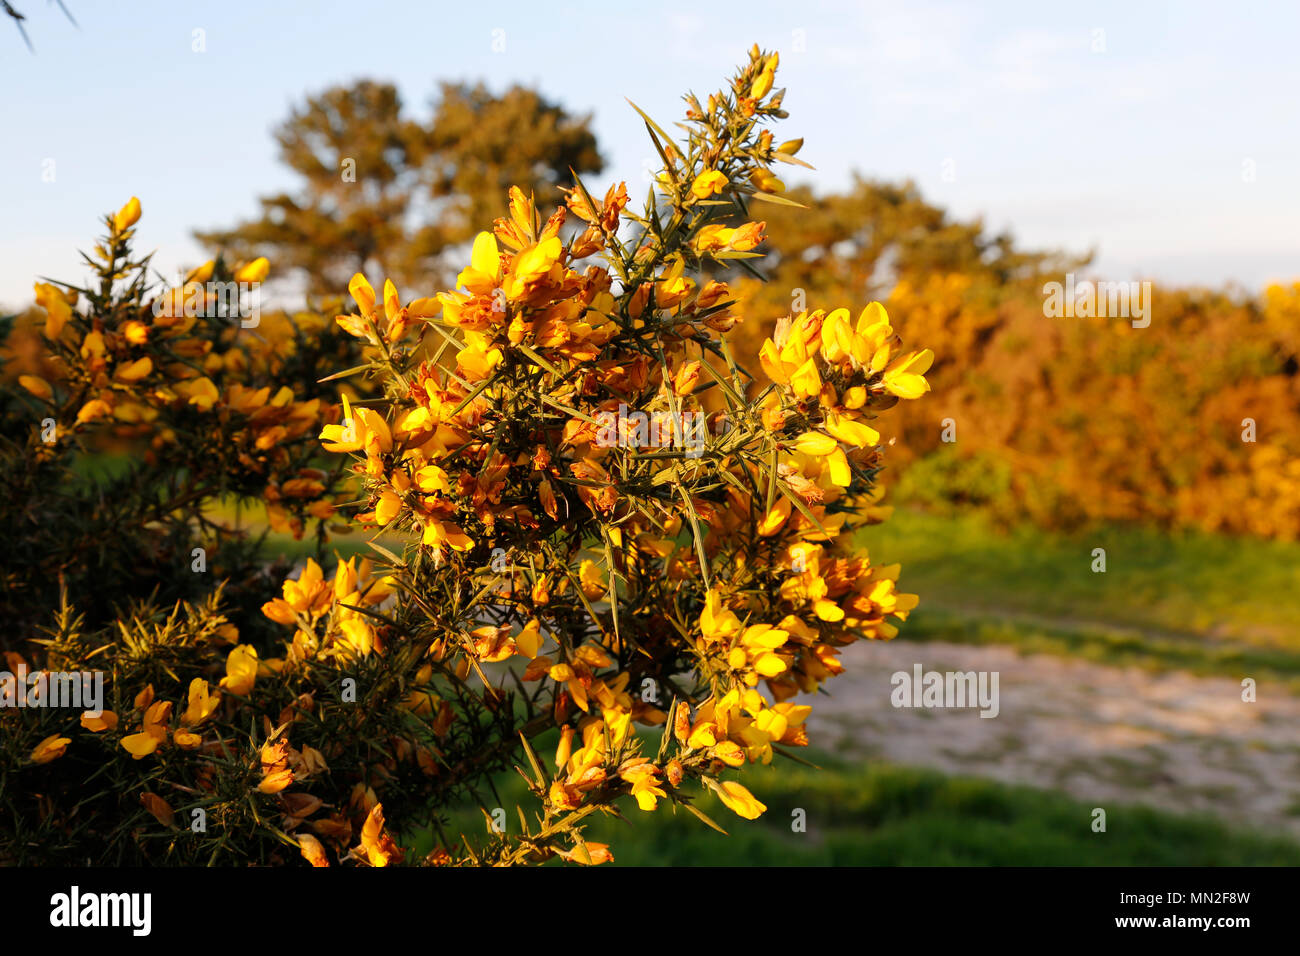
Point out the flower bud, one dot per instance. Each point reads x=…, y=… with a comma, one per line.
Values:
x=127, y=216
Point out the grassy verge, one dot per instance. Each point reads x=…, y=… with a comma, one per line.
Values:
x=1241, y=591
x=880, y=815
x=1102, y=644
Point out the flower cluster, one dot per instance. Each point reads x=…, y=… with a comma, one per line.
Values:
x=617, y=582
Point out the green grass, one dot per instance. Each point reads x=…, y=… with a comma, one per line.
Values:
x=1108, y=645
x=886, y=815
x=1239, y=590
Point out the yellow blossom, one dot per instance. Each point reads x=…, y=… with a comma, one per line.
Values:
x=254, y=272
x=708, y=183
x=739, y=800
x=127, y=216
x=241, y=670
x=51, y=748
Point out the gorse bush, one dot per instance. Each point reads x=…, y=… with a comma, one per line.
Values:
x=565, y=540
x=159, y=410
x=112, y=465
x=1192, y=422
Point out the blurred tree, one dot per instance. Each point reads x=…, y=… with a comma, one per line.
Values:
x=352, y=148
x=860, y=243
x=479, y=145
x=388, y=194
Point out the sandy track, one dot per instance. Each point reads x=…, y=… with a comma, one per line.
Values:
x=1102, y=734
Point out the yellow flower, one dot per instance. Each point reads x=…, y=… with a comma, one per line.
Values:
x=363, y=293
x=438, y=534
x=398, y=318
x=377, y=846
x=644, y=781
x=717, y=623
x=343, y=437
x=141, y=744
x=837, y=336
x=851, y=432
x=105, y=721
x=905, y=376
x=273, y=781
x=564, y=748
x=765, y=182
x=37, y=386
x=673, y=285
x=729, y=753
x=387, y=507
x=134, y=371
x=241, y=670
x=309, y=592
x=51, y=748
x=708, y=183
x=484, y=271
x=806, y=381
x=154, y=733
x=373, y=429
x=127, y=216
x=589, y=854
x=739, y=800
x=712, y=238
x=95, y=408
x=529, y=640
x=200, y=392
x=430, y=479
x=775, y=519
x=477, y=360
x=201, y=273
x=687, y=377
x=757, y=651
x=815, y=444
x=837, y=463
x=200, y=705
x=531, y=265
x=362, y=429
x=748, y=236
x=313, y=851
x=763, y=82
x=871, y=335
x=359, y=634
x=254, y=271
x=56, y=307
x=92, y=346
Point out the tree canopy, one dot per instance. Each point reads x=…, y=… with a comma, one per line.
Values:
x=384, y=192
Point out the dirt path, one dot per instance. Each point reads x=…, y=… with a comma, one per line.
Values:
x=1101, y=734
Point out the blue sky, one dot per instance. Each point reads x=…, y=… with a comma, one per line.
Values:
x=1174, y=149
